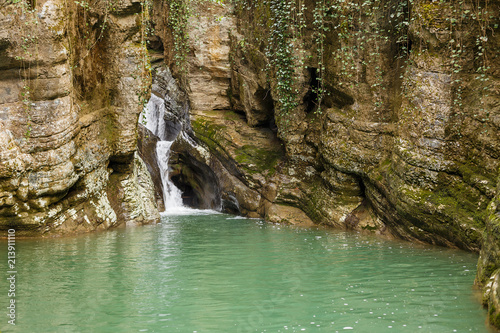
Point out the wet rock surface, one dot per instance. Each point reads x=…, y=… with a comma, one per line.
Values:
x=244, y=159
x=405, y=148
x=68, y=106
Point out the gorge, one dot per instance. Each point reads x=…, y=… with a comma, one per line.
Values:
x=376, y=116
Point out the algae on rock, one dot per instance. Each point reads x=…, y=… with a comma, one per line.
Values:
x=394, y=128
x=70, y=77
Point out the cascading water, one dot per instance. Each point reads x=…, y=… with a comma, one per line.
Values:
x=153, y=119
x=172, y=196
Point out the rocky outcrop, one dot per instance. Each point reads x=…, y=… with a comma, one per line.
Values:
x=488, y=268
x=370, y=116
x=244, y=159
x=386, y=117
x=146, y=147
x=209, y=71
x=203, y=69
x=70, y=76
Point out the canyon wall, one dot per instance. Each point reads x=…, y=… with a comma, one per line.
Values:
x=376, y=116
x=70, y=77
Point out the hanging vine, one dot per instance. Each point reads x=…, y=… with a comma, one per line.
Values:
x=355, y=41
x=280, y=54
x=178, y=19
x=321, y=28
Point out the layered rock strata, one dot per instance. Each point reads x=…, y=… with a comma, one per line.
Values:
x=371, y=116
x=70, y=76
x=394, y=126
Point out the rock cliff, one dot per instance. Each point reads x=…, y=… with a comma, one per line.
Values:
x=379, y=116
x=70, y=77
x=376, y=116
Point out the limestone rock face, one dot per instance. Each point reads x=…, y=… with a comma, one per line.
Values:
x=146, y=147
x=288, y=215
x=390, y=126
x=69, y=81
x=175, y=101
x=250, y=89
x=244, y=159
x=209, y=71
x=488, y=267
x=203, y=69
x=395, y=134
x=416, y=139
x=130, y=194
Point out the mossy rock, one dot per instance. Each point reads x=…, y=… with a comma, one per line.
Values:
x=260, y=159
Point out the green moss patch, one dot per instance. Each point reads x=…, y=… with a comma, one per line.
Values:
x=257, y=159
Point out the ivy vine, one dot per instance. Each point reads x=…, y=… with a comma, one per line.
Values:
x=279, y=51
x=354, y=36
x=179, y=13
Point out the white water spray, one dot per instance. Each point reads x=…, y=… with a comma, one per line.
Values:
x=153, y=118
x=172, y=196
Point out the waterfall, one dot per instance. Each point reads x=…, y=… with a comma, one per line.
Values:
x=153, y=118
x=172, y=196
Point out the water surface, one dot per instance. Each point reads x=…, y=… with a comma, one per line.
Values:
x=217, y=273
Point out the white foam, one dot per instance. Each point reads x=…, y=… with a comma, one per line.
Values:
x=172, y=196
x=237, y=218
x=153, y=116
x=179, y=211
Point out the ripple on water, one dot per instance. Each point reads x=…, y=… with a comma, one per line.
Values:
x=199, y=271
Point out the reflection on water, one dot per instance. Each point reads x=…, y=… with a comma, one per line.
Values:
x=215, y=273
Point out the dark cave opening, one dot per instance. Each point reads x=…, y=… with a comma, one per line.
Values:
x=190, y=197
x=196, y=181
x=266, y=107
x=266, y=101
x=311, y=97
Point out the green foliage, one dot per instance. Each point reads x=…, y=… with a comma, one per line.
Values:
x=321, y=28
x=278, y=25
x=356, y=38
x=179, y=13
x=279, y=51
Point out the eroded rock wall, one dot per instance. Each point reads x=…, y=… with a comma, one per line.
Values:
x=408, y=128
x=70, y=77
x=393, y=127
x=401, y=130
x=411, y=134
x=488, y=267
